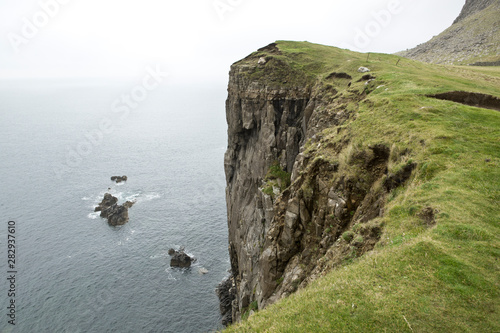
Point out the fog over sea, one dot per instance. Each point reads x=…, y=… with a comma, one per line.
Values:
x=76, y=273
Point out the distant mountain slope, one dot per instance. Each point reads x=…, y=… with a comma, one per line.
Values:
x=474, y=38
x=473, y=6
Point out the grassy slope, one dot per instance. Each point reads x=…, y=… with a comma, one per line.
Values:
x=442, y=279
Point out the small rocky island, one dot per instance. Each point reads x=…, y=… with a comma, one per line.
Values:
x=119, y=179
x=180, y=258
x=116, y=214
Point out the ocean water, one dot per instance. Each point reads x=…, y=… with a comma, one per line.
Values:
x=74, y=272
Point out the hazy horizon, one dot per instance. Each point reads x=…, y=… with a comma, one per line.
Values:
x=197, y=40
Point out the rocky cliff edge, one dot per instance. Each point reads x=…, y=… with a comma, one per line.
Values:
x=289, y=205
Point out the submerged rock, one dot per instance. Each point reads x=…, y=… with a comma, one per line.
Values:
x=119, y=179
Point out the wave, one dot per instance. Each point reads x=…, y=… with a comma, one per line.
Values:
x=94, y=215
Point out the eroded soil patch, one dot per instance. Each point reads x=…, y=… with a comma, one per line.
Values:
x=469, y=98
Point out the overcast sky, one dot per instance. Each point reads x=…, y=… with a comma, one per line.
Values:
x=198, y=39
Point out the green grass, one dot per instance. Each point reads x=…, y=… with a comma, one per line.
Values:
x=276, y=177
x=433, y=279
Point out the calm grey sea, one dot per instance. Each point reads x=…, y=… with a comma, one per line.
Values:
x=74, y=272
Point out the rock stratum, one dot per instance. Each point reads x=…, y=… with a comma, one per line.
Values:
x=472, y=39
x=321, y=157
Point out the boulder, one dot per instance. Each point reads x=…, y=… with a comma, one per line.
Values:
x=179, y=258
x=363, y=70
x=116, y=214
x=106, y=202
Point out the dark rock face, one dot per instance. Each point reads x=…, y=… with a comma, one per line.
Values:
x=180, y=258
x=119, y=179
x=226, y=291
x=116, y=214
x=266, y=124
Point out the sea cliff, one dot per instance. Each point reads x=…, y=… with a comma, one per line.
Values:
x=341, y=167
x=288, y=205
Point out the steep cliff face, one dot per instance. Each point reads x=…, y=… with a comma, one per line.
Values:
x=297, y=189
x=474, y=38
x=266, y=124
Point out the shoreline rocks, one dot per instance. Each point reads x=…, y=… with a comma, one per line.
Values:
x=226, y=291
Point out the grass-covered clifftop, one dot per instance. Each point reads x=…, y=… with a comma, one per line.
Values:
x=436, y=265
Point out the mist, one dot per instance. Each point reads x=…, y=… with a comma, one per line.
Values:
x=197, y=41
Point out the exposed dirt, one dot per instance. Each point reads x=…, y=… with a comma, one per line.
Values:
x=427, y=215
x=366, y=77
x=469, y=98
x=397, y=179
x=271, y=48
x=335, y=75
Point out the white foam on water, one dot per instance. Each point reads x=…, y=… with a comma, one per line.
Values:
x=134, y=196
x=169, y=273
x=158, y=256
x=152, y=196
x=119, y=196
x=94, y=215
